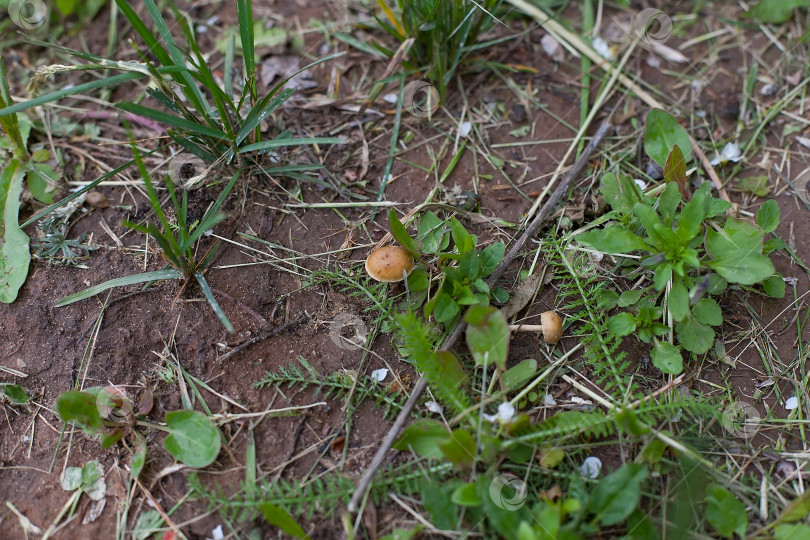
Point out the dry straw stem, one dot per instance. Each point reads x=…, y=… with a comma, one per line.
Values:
x=458, y=329
x=572, y=40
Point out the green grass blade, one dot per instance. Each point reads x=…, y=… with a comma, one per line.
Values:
x=146, y=35
x=244, y=11
x=171, y=120
x=118, y=282
x=260, y=111
x=276, y=143
x=209, y=295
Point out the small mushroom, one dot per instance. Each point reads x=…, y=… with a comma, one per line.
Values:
x=550, y=325
x=389, y=264
x=97, y=199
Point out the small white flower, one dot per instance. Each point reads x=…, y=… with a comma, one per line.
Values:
x=552, y=48
x=591, y=467
x=580, y=401
x=730, y=152
x=464, y=129
x=434, y=407
x=549, y=400
x=379, y=375
x=217, y=533
x=642, y=185
x=792, y=403
x=506, y=412
x=602, y=48
x=391, y=98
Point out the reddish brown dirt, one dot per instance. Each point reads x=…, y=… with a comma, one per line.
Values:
x=48, y=344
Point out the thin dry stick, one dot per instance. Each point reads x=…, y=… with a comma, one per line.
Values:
x=455, y=334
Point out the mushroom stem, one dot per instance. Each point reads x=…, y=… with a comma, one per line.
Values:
x=526, y=327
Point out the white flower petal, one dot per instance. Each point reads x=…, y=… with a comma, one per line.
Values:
x=217, y=533
x=552, y=48
x=602, y=48
x=549, y=400
x=506, y=412
x=434, y=407
x=730, y=152
x=391, y=98
x=379, y=375
x=464, y=129
x=591, y=467
x=640, y=183
x=792, y=403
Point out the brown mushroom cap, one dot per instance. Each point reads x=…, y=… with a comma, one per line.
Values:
x=552, y=327
x=389, y=264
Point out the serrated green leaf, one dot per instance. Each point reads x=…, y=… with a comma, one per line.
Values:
x=708, y=311
x=694, y=336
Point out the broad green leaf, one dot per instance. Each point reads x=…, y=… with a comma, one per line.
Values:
x=757, y=185
x=694, y=336
x=15, y=393
x=423, y=437
x=708, y=312
x=515, y=376
x=488, y=336
x=14, y=254
x=629, y=298
x=792, y=531
x=459, y=448
x=694, y=212
x=776, y=11
x=41, y=181
x=678, y=304
x=621, y=192
x=491, y=256
x=466, y=495
x=278, y=517
x=449, y=368
x=436, y=500
x=768, y=216
x=462, y=239
x=193, y=438
x=737, y=252
x=622, y=324
x=418, y=280
x=667, y=357
x=470, y=265
x=668, y=203
x=726, y=514
x=446, y=308
x=399, y=232
x=615, y=239
x=617, y=495
x=775, y=286
x=119, y=282
x=431, y=231
x=662, y=134
x=81, y=408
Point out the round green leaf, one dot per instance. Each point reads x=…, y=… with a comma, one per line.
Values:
x=708, y=312
x=768, y=216
x=774, y=286
x=193, y=438
x=662, y=134
x=667, y=358
x=621, y=325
